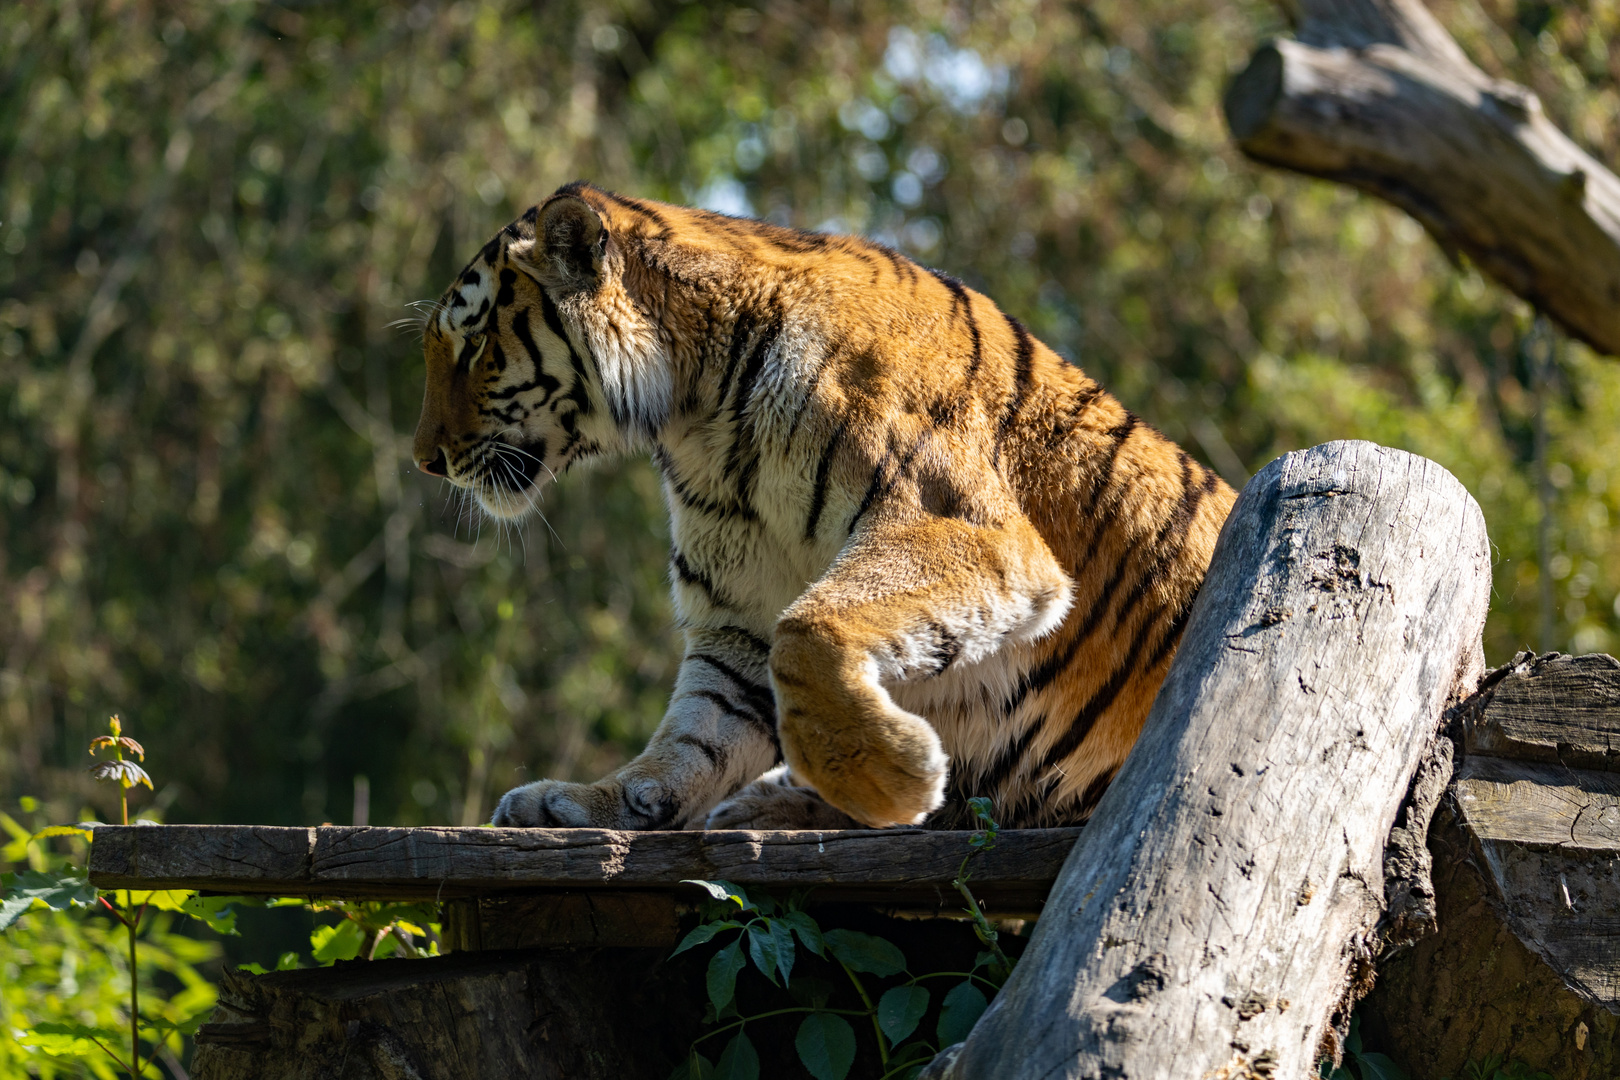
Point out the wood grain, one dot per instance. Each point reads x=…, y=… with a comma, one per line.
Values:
x=1375, y=94
x=1549, y=708
x=1548, y=840
x=1219, y=909
x=905, y=867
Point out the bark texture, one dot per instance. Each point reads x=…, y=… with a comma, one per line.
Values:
x=1220, y=909
x=1527, y=850
x=1375, y=94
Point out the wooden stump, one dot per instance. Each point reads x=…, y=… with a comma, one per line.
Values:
x=1526, y=964
x=1219, y=911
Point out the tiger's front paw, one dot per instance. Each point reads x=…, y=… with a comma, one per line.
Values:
x=608, y=804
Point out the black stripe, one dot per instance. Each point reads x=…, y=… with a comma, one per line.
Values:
x=756, y=361
x=759, y=644
x=741, y=331
x=728, y=707
x=505, y=294
x=1094, y=791
x=641, y=208
x=1062, y=429
x=520, y=328
x=882, y=484
x=947, y=646
x=579, y=393
x=759, y=697
x=818, y=495
x=1023, y=371
x=991, y=779
x=809, y=394
x=1098, y=703
x=959, y=296
x=877, y=483
x=691, y=499
x=715, y=754
x=689, y=576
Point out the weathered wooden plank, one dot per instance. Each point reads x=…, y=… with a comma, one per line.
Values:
x=911, y=867
x=1538, y=805
x=1552, y=708
x=257, y=859
x=1218, y=912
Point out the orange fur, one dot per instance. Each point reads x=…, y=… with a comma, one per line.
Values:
x=917, y=555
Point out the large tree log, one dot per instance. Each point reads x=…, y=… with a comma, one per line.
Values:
x=1220, y=908
x=1374, y=94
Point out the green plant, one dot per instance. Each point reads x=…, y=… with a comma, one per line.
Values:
x=57, y=882
x=768, y=935
x=1360, y=1063
x=1494, y=1067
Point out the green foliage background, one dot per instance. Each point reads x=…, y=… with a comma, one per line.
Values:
x=212, y=213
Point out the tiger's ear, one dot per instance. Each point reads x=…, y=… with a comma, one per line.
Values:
x=569, y=244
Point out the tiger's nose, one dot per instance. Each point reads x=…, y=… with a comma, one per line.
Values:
x=437, y=466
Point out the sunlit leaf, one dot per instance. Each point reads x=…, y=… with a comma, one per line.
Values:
x=55, y=889
x=334, y=943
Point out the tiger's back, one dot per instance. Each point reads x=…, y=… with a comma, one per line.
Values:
x=910, y=542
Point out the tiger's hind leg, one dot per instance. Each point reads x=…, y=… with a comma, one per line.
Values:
x=905, y=601
x=774, y=801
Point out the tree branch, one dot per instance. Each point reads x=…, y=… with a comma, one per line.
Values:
x=1375, y=94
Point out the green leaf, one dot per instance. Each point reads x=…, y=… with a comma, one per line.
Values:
x=80, y=1031
x=962, y=1008
x=1352, y=1041
x=695, y=1067
x=334, y=943
x=63, y=830
x=782, y=940
x=722, y=890
x=287, y=961
x=722, y=977
x=55, y=889
x=808, y=930
x=826, y=1045
x=739, y=1060
x=702, y=934
x=863, y=952
x=811, y=991
x=762, y=948
x=1376, y=1066
x=216, y=911
x=252, y=969
x=900, y=1011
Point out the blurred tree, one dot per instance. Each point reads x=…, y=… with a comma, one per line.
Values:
x=213, y=214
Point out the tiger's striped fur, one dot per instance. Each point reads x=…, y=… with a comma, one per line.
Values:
x=917, y=556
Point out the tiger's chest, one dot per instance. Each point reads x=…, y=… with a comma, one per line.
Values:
x=740, y=553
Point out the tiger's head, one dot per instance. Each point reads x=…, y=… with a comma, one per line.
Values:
x=537, y=357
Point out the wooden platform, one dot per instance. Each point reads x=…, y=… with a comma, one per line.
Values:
x=598, y=869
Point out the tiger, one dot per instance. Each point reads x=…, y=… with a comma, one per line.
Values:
x=917, y=556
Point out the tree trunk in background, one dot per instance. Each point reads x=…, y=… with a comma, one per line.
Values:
x=1217, y=915
x=1375, y=94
